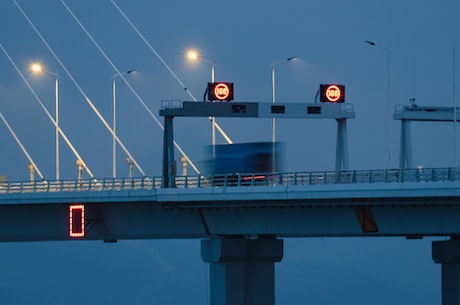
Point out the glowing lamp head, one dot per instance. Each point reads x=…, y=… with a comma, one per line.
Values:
x=193, y=55
x=36, y=68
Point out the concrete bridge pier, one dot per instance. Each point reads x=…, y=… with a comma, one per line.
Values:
x=242, y=271
x=447, y=253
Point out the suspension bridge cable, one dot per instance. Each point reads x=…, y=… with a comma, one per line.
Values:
x=126, y=82
x=21, y=146
x=222, y=132
x=90, y=103
x=63, y=135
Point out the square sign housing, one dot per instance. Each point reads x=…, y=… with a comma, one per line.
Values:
x=332, y=93
x=221, y=91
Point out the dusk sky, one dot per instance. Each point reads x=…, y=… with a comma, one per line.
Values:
x=242, y=39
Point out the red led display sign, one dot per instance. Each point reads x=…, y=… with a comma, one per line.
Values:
x=220, y=91
x=331, y=93
x=77, y=221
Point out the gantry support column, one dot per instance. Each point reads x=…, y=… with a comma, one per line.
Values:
x=242, y=271
x=405, y=147
x=341, y=153
x=169, y=164
x=447, y=253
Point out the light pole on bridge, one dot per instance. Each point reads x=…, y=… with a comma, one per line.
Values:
x=273, y=65
x=388, y=51
x=193, y=55
x=38, y=68
x=114, y=127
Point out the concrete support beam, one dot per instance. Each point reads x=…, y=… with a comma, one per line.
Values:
x=169, y=163
x=405, y=149
x=341, y=155
x=447, y=253
x=242, y=271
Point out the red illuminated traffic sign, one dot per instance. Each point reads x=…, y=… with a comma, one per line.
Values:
x=77, y=221
x=332, y=93
x=221, y=91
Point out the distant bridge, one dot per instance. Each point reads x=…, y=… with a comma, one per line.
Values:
x=241, y=221
x=412, y=203
x=242, y=218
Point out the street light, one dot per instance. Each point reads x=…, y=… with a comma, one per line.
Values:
x=273, y=87
x=38, y=68
x=388, y=51
x=193, y=55
x=130, y=163
x=114, y=100
x=31, y=169
x=183, y=160
x=79, y=163
x=455, y=104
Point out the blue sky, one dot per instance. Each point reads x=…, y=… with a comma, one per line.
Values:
x=242, y=38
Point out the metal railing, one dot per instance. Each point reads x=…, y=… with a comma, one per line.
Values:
x=239, y=180
x=146, y=183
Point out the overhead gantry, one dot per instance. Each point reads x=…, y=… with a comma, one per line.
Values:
x=407, y=114
x=338, y=111
x=242, y=269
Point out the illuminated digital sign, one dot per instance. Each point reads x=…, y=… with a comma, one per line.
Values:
x=77, y=221
x=221, y=91
x=330, y=93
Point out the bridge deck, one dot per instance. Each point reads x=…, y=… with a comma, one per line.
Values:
x=410, y=203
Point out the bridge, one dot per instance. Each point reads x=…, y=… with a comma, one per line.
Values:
x=242, y=223
x=242, y=220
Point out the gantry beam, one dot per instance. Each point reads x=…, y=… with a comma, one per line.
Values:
x=407, y=114
x=339, y=112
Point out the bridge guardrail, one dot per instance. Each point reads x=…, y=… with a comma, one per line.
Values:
x=240, y=180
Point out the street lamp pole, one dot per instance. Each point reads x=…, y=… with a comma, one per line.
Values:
x=388, y=51
x=273, y=101
x=273, y=88
x=213, y=119
x=114, y=126
x=194, y=55
x=273, y=165
x=455, y=104
x=38, y=68
x=57, y=126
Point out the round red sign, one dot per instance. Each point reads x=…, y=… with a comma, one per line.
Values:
x=333, y=93
x=221, y=91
